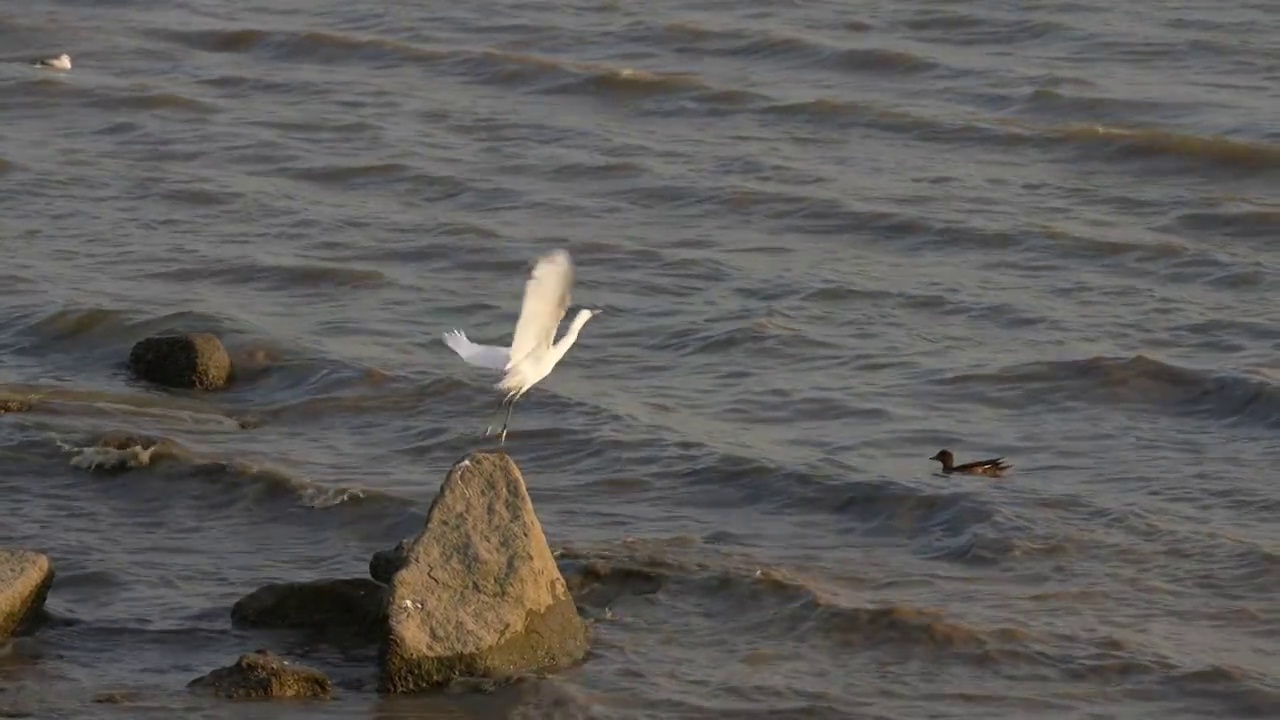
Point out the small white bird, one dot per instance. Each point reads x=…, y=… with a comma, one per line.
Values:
x=62, y=62
x=534, y=351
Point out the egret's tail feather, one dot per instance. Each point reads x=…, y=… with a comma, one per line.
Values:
x=485, y=356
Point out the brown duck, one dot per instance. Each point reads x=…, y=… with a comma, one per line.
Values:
x=993, y=467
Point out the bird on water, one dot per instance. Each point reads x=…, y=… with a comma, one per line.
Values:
x=534, y=349
x=993, y=467
x=61, y=62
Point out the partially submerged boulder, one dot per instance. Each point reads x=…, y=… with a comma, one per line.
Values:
x=195, y=361
x=117, y=452
x=14, y=405
x=25, y=577
x=263, y=674
x=355, y=604
x=384, y=563
x=479, y=594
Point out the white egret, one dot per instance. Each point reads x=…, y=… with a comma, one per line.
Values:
x=61, y=62
x=534, y=350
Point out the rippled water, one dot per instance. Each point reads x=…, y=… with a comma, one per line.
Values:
x=831, y=238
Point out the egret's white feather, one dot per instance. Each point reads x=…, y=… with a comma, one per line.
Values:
x=546, y=297
x=485, y=356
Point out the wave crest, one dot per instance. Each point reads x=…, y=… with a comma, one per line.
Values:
x=1138, y=380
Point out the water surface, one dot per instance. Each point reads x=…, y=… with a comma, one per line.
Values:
x=831, y=238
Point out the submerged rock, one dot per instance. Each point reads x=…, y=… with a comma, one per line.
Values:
x=384, y=563
x=195, y=361
x=25, y=577
x=355, y=604
x=479, y=594
x=118, y=452
x=597, y=583
x=262, y=674
x=117, y=697
x=14, y=405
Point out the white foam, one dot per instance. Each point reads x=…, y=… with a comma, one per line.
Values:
x=93, y=458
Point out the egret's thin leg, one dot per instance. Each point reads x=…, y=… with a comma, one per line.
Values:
x=510, y=407
x=489, y=428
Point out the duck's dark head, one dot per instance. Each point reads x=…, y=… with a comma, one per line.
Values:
x=944, y=456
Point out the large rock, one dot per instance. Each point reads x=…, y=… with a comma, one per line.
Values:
x=479, y=594
x=262, y=674
x=355, y=604
x=25, y=578
x=196, y=361
x=386, y=563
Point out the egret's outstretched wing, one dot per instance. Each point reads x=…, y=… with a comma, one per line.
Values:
x=546, y=297
x=485, y=356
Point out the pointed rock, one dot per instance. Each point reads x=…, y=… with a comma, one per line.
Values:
x=479, y=593
x=25, y=577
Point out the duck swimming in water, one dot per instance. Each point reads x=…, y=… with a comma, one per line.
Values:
x=992, y=468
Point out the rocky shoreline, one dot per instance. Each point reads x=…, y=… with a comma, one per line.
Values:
x=475, y=596
x=476, y=599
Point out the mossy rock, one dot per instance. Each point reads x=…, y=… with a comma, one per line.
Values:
x=195, y=361
x=262, y=674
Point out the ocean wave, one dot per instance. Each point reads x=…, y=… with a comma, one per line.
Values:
x=985, y=547
x=759, y=335
x=315, y=47
x=203, y=197
x=286, y=278
x=844, y=115
x=548, y=74
x=108, y=325
x=1230, y=153
x=1252, y=224
x=348, y=174
x=629, y=82
x=937, y=518
x=806, y=52
x=1137, y=381
x=103, y=337
x=1114, y=143
x=561, y=76
x=1059, y=105
x=99, y=336
x=786, y=609
x=1224, y=688
x=72, y=323
x=904, y=625
x=313, y=408
x=963, y=28
x=784, y=600
x=151, y=102
x=817, y=54
x=119, y=452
